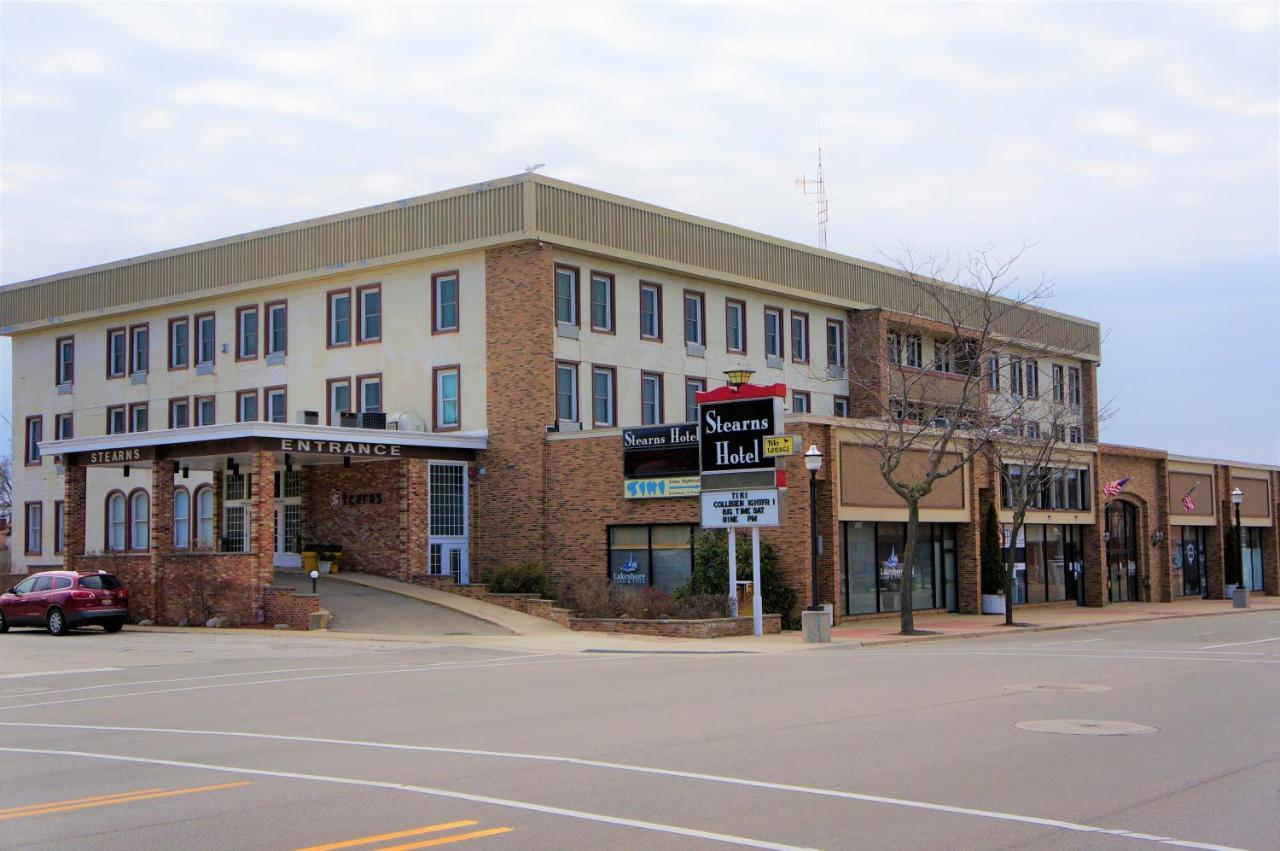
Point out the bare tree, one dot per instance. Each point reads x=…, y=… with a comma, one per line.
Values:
x=932, y=412
x=6, y=489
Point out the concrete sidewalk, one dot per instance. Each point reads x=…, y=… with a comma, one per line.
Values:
x=884, y=630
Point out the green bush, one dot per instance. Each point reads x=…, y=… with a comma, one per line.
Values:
x=529, y=578
x=595, y=597
x=992, y=557
x=710, y=573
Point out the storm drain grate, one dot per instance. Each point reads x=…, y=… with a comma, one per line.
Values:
x=1081, y=727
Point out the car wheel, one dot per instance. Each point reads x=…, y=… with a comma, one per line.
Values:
x=4, y=624
x=114, y=625
x=56, y=621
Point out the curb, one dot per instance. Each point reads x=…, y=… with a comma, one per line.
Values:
x=911, y=639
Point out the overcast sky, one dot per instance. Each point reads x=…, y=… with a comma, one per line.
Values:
x=1135, y=144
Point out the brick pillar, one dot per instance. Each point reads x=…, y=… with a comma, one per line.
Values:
x=1161, y=561
x=868, y=372
x=262, y=522
x=1089, y=399
x=1271, y=543
x=74, y=489
x=1093, y=565
x=510, y=519
x=412, y=501
x=217, y=485
x=161, y=529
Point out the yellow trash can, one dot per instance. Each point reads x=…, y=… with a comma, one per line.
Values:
x=310, y=561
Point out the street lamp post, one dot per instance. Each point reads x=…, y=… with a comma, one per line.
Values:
x=1242, y=592
x=814, y=619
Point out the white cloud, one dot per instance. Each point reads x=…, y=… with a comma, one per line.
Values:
x=72, y=62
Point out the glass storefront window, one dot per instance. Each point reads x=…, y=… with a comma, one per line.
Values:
x=1189, y=560
x=1036, y=585
x=873, y=557
x=1251, y=557
x=1055, y=563
x=658, y=556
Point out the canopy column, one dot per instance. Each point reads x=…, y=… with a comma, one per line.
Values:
x=74, y=486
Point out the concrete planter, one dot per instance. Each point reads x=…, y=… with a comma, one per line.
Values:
x=993, y=604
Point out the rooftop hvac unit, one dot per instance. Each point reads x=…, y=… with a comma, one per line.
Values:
x=406, y=421
x=372, y=419
x=348, y=419
x=308, y=418
x=568, y=425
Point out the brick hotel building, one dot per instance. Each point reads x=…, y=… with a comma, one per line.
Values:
x=439, y=384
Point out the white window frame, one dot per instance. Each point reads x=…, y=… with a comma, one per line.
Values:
x=117, y=351
x=199, y=403
x=608, y=282
x=609, y=398
x=66, y=365
x=123, y=412
x=364, y=313
x=1074, y=387
x=697, y=385
x=914, y=351
x=835, y=353
x=244, y=336
x=203, y=497
x=335, y=322
x=58, y=420
x=140, y=520
x=243, y=416
x=185, y=324
x=181, y=518
x=735, y=346
x=334, y=408
x=698, y=320
x=117, y=523
x=280, y=310
x=566, y=295
x=654, y=380
x=651, y=321
x=269, y=405
x=362, y=387
x=774, y=347
x=571, y=370
x=438, y=282
x=203, y=335
x=440, y=421
x=134, y=410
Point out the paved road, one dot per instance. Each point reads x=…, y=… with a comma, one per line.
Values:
x=356, y=608
x=282, y=741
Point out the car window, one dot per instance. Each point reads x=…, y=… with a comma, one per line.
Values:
x=42, y=584
x=25, y=586
x=60, y=582
x=100, y=583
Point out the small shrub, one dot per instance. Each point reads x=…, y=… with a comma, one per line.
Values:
x=589, y=597
x=700, y=606
x=642, y=603
x=529, y=578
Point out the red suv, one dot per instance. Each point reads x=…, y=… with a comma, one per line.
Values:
x=63, y=599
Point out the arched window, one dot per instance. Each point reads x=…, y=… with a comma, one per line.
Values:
x=204, y=516
x=117, y=525
x=181, y=518
x=140, y=520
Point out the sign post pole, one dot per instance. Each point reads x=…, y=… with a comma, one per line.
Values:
x=733, y=573
x=757, y=608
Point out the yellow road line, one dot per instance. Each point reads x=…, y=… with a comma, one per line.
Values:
x=123, y=800
x=445, y=840
x=78, y=800
x=382, y=837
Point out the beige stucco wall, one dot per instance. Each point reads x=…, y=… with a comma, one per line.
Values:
x=404, y=357
x=630, y=355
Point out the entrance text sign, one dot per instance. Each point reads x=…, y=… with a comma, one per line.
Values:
x=735, y=509
x=733, y=433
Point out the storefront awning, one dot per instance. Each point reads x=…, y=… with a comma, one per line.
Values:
x=359, y=444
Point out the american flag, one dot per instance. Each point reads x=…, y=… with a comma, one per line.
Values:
x=1187, y=502
x=1111, y=489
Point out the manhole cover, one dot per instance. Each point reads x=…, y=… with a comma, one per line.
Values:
x=1059, y=688
x=1080, y=727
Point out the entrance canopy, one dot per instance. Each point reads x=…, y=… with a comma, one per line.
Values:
x=203, y=447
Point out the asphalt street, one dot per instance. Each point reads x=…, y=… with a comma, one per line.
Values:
x=285, y=741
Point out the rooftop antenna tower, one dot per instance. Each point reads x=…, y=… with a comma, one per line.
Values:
x=816, y=189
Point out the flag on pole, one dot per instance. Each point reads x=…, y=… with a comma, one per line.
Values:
x=1187, y=502
x=1111, y=489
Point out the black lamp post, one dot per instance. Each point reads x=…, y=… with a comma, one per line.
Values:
x=813, y=463
x=1237, y=497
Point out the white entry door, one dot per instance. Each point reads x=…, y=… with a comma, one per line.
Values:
x=288, y=543
x=447, y=520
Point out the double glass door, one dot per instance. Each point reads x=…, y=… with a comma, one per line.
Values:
x=1122, y=552
x=447, y=548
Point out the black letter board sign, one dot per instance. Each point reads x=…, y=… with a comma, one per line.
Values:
x=670, y=450
x=733, y=434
